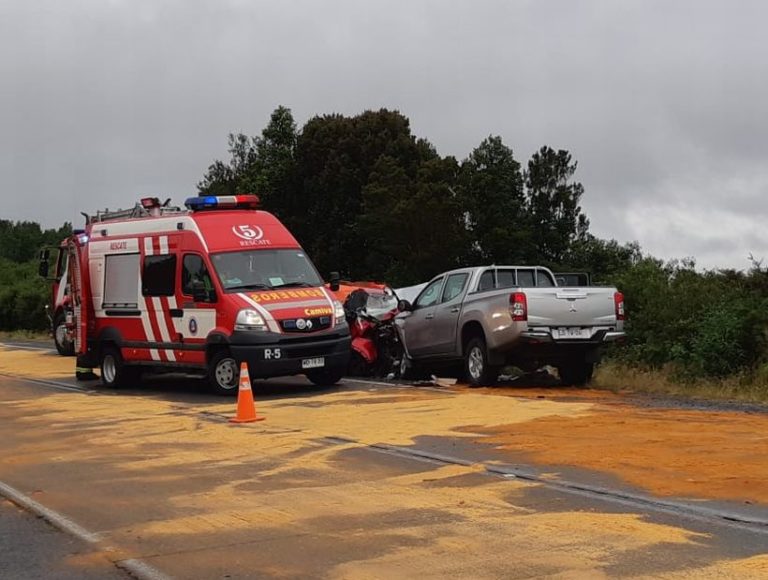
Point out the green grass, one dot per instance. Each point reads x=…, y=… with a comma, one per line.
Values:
x=746, y=387
x=33, y=335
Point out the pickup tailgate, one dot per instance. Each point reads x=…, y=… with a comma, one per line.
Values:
x=571, y=307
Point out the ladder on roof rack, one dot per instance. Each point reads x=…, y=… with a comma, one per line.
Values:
x=137, y=211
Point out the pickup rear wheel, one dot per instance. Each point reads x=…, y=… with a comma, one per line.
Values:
x=477, y=369
x=577, y=374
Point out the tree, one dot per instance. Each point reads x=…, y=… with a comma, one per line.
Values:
x=271, y=170
x=491, y=188
x=227, y=178
x=556, y=220
x=21, y=241
x=603, y=259
x=335, y=156
x=414, y=227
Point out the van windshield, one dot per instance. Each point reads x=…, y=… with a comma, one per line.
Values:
x=265, y=270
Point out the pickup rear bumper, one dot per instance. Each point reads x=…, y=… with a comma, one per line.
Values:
x=599, y=336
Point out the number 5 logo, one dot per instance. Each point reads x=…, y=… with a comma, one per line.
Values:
x=248, y=232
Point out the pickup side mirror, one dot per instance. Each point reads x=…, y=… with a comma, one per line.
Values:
x=42, y=268
x=335, y=280
x=404, y=306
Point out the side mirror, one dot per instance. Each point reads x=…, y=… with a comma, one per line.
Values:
x=404, y=306
x=335, y=281
x=42, y=268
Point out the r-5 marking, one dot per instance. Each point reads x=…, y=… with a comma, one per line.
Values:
x=272, y=353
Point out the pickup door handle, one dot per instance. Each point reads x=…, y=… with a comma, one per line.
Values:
x=455, y=309
x=176, y=312
x=429, y=317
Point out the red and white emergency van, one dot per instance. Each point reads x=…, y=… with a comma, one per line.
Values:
x=201, y=289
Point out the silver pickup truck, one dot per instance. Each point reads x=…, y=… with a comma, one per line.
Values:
x=493, y=316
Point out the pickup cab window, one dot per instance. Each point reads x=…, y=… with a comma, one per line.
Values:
x=430, y=294
x=525, y=278
x=454, y=286
x=505, y=278
x=543, y=280
x=486, y=281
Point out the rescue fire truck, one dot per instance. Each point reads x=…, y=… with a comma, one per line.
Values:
x=161, y=288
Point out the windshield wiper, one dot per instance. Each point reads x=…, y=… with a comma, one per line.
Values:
x=294, y=285
x=248, y=287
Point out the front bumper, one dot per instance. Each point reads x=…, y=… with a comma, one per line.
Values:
x=277, y=355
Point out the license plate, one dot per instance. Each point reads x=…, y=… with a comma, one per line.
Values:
x=312, y=363
x=573, y=333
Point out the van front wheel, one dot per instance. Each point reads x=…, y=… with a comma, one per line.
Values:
x=223, y=373
x=326, y=377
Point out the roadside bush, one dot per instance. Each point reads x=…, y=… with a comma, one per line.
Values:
x=23, y=296
x=728, y=338
x=703, y=324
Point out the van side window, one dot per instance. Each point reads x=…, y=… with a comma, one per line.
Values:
x=525, y=279
x=194, y=270
x=454, y=286
x=543, y=280
x=159, y=275
x=505, y=279
x=120, y=289
x=486, y=281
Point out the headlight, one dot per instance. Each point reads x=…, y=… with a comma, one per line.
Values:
x=249, y=320
x=338, y=313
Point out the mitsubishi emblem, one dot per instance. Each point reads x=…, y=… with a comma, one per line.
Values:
x=573, y=306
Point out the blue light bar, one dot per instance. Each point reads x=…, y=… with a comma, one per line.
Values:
x=222, y=202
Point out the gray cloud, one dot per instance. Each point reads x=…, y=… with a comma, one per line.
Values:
x=663, y=104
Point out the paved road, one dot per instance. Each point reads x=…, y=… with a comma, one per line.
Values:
x=358, y=481
x=32, y=548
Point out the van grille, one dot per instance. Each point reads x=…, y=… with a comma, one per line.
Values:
x=308, y=324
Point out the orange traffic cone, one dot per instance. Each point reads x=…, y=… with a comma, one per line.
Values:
x=246, y=407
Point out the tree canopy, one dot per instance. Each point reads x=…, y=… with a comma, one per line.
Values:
x=368, y=198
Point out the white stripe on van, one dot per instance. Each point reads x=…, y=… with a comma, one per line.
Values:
x=145, y=311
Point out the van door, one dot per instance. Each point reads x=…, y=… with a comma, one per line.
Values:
x=194, y=320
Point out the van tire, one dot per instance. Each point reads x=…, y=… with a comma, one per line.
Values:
x=114, y=372
x=477, y=369
x=223, y=373
x=577, y=374
x=63, y=346
x=326, y=377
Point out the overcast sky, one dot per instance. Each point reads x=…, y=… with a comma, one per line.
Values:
x=664, y=104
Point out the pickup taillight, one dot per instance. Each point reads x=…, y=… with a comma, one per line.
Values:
x=518, y=307
x=618, y=302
